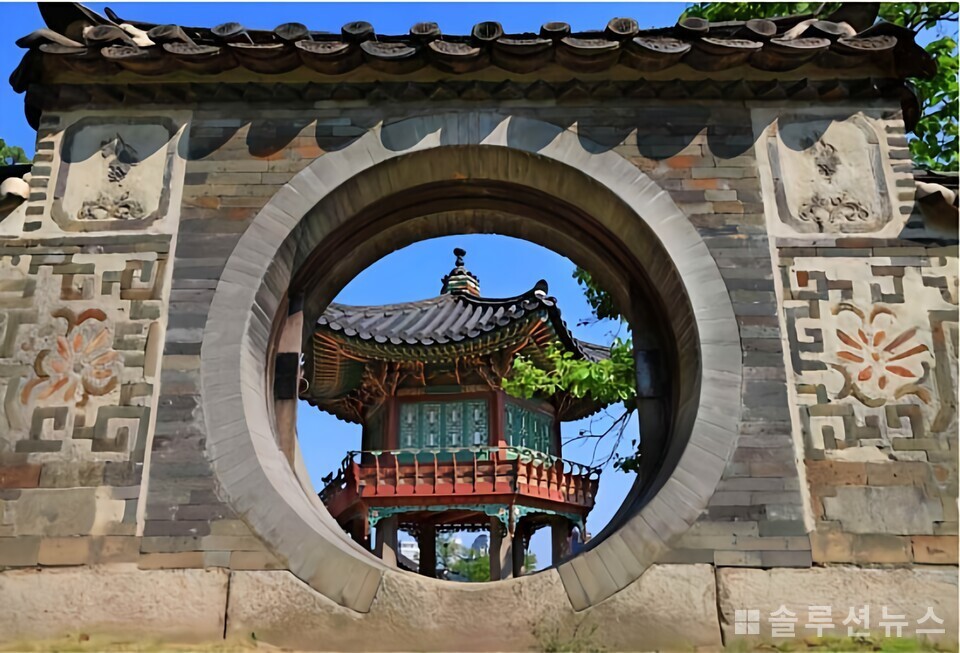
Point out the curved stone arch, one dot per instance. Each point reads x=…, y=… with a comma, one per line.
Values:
x=241, y=443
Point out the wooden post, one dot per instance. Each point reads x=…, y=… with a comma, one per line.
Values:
x=358, y=531
x=287, y=378
x=501, y=551
x=387, y=534
x=428, y=550
x=560, y=540
x=518, y=550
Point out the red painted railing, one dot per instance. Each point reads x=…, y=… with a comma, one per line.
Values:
x=460, y=473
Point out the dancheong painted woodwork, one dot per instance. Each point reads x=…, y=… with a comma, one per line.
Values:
x=444, y=447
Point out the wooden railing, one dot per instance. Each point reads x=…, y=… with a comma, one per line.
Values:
x=462, y=472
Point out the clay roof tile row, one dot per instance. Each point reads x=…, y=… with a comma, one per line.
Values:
x=88, y=43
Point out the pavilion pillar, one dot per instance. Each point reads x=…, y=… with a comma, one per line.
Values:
x=387, y=536
x=358, y=532
x=560, y=540
x=501, y=551
x=519, y=550
x=286, y=384
x=428, y=551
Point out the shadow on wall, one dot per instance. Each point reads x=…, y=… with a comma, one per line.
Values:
x=659, y=133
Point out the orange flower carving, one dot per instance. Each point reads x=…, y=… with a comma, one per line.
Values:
x=873, y=361
x=82, y=362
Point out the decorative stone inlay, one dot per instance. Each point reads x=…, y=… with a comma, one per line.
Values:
x=874, y=354
x=116, y=173
x=77, y=332
x=876, y=364
x=825, y=176
x=81, y=363
x=108, y=207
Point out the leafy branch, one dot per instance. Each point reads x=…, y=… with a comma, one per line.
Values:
x=12, y=154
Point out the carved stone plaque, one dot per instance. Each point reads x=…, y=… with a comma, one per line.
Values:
x=828, y=176
x=114, y=174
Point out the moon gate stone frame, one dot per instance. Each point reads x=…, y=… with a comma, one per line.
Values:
x=646, y=244
x=198, y=195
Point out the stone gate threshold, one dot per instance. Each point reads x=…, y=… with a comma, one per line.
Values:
x=671, y=607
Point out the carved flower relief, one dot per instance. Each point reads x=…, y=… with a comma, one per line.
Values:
x=826, y=159
x=832, y=211
x=116, y=204
x=81, y=363
x=876, y=364
x=106, y=207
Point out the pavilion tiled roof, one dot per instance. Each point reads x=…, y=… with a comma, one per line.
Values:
x=848, y=42
x=450, y=319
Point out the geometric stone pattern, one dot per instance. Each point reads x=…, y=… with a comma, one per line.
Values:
x=74, y=338
x=872, y=331
x=82, y=321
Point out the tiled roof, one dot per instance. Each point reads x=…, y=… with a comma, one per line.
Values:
x=450, y=318
x=848, y=43
x=14, y=186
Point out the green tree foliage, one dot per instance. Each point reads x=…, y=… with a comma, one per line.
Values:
x=11, y=154
x=608, y=381
x=476, y=568
x=934, y=145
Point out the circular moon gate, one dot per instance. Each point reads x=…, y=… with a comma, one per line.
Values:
x=454, y=173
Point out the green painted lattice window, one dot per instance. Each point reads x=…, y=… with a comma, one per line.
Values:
x=528, y=429
x=444, y=424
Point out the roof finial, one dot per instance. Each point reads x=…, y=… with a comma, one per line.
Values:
x=460, y=281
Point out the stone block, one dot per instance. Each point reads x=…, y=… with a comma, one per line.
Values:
x=19, y=476
x=908, y=592
x=19, y=551
x=832, y=473
x=112, y=549
x=56, y=512
x=71, y=474
x=831, y=546
x=64, y=551
x=181, y=560
x=897, y=510
x=174, y=605
x=881, y=549
x=284, y=611
x=935, y=549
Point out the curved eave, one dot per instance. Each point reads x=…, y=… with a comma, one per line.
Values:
x=95, y=48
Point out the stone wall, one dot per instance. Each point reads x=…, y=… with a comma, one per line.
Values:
x=107, y=286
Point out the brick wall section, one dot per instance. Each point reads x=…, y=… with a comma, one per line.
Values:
x=69, y=489
x=238, y=160
x=756, y=516
x=240, y=156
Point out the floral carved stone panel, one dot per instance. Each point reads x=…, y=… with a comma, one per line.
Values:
x=828, y=176
x=79, y=334
x=114, y=174
x=873, y=348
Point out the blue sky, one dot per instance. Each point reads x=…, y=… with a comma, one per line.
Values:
x=506, y=266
